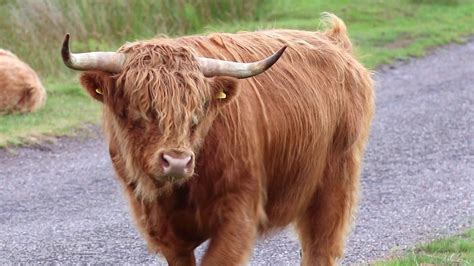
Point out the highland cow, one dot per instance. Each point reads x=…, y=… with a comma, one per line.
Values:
x=20, y=87
x=208, y=148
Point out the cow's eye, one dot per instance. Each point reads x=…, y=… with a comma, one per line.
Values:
x=206, y=105
x=194, y=124
x=138, y=124
x=193, y=129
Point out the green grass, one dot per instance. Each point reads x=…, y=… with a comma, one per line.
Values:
x=67, y=109
x=456, y=250
x=382, y=31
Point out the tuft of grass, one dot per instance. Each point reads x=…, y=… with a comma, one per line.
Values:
x=455, y=250
x=382, y=31
x=436, y=2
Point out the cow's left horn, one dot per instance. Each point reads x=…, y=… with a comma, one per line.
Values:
x=215, y=67
x=105, y=61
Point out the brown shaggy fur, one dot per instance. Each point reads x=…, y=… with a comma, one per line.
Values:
x=20, y=87
x=283, y=147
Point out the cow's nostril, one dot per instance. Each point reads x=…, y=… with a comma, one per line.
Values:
x=164, y=161
x=190, y=160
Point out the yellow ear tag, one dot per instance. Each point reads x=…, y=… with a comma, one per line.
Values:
x=221, y=95
x=99, y=91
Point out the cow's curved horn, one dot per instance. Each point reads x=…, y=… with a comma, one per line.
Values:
x=214, y=67
x=106, y=61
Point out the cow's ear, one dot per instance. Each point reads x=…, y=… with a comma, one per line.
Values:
x=224, y=89
x=98, y=84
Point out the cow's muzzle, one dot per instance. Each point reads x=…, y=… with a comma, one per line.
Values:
x=176, y=164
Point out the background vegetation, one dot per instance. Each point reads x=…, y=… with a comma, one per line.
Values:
x=456, y=250
x=34, y=29
x=105, y=24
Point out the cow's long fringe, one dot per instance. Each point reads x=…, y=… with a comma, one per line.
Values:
x=162, y=79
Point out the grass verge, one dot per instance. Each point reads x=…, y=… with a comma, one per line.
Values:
x=455, y=250
x=67, y=109
x=382, y=31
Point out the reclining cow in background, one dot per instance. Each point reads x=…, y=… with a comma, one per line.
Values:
x=203, y=155
x=20, y=87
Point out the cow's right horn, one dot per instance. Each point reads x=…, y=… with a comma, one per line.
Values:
x=215, y=67
x=105, y=61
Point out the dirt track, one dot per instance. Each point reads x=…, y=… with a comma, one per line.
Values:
x=60, y=202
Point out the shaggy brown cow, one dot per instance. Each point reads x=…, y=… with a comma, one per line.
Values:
x=20, y=87
x=203, y=155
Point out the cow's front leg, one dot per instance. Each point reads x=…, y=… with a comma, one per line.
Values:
x=234, y=232
x=174, y=258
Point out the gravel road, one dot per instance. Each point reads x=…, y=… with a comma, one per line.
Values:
x=60, y=203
